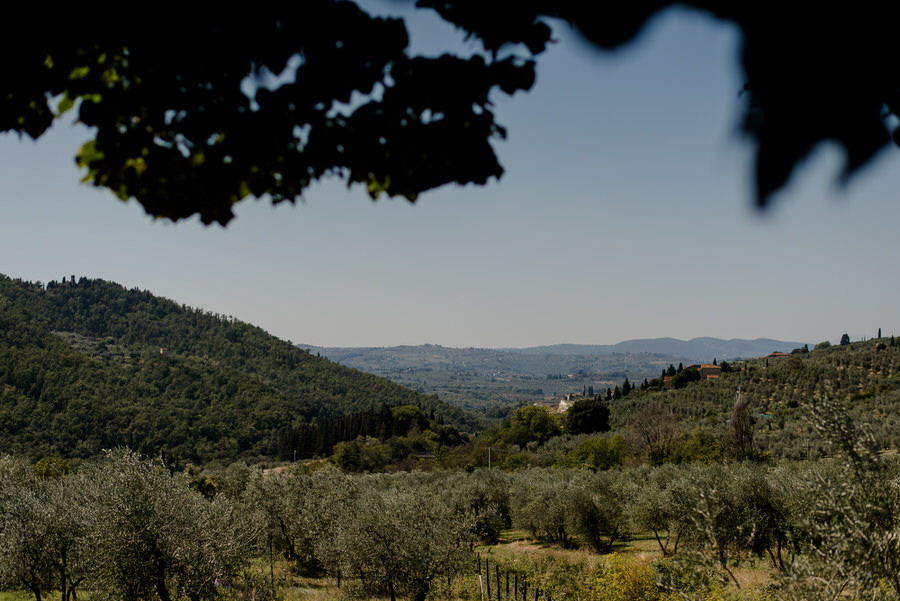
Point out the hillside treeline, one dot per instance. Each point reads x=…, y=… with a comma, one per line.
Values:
x=89, y=365
x=371, y=439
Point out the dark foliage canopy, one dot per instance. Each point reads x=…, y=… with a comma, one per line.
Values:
x=222, y=107
x=587, y=416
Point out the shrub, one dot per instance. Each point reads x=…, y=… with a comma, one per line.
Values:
x=622, y=579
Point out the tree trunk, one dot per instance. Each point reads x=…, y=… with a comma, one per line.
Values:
x=161, y=589
x=63, y=585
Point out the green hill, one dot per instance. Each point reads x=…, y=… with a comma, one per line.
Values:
x=91, y=365
x=783, y=393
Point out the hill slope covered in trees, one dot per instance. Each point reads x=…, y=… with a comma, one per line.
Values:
x=783, y=394
x=90, y=365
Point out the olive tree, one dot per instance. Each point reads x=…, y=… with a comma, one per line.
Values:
x=298, y=512
x=733, y=513
x=284, y=509
x=597, y=507
x=157, y=539
x=397, y=541
x=43, y=529
x=540, y=504
x=25, y=556
x=482, y=496
x=851, y=546
x=654, y=508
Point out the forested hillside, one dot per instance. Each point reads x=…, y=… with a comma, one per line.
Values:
x=90, y=365
x=783, y=393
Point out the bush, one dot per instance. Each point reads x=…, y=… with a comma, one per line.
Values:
x=601, y=452
x=622, y=579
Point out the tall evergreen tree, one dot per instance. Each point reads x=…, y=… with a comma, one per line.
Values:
x=740, y=430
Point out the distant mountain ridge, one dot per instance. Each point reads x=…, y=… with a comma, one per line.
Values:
x=698, y=349
x=481, y=379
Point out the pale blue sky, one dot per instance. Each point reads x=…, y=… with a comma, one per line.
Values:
x=625, y=212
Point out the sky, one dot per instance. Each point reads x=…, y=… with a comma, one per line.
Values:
x=625, y=212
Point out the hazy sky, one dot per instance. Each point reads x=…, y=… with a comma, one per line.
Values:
x=625, y=212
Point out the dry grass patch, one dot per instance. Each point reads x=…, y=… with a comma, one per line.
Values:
x=312, y=589
x=505, y=552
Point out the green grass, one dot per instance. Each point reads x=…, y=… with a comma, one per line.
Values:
x=19, y=596
x=83, y=595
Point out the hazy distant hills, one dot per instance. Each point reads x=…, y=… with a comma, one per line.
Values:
x=541, y=360
x=486, y=379
x=696, y=349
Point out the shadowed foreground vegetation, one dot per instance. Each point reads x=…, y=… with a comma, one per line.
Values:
x=127, y=528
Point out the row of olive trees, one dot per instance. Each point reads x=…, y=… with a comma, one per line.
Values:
x=827, y=527
x=388, y=534
x=123, y=527
x=128, y=528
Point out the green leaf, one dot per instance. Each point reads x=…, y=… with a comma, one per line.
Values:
x=65, y=104
x=79, y=72
x=88, y=153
